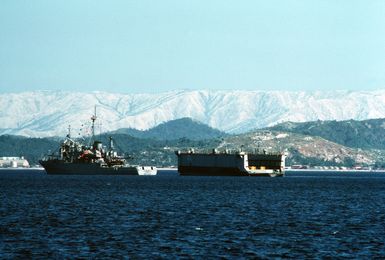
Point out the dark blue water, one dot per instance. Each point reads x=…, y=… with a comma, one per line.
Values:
x=311, y=215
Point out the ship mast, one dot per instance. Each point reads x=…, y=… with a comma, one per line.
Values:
x=69, y=131
x=93, y=118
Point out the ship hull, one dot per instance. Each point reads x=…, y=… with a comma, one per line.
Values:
x=209, y=171
x=57, y=167
x=222, y=171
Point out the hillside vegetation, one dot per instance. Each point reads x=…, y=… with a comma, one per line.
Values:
x=367, y=134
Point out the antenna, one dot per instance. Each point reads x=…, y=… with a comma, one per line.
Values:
x=100, y=128
x=111, y=143
x=69, y=131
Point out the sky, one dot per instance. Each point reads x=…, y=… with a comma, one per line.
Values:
x=134, y=46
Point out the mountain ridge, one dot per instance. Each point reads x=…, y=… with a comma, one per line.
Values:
x=48, y=113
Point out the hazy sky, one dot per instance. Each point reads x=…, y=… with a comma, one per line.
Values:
x=146, y=46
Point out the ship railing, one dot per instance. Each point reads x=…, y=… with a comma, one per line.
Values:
x=229, y=151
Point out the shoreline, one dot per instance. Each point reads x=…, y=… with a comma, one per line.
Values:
x=176, y=169
x=331, y=170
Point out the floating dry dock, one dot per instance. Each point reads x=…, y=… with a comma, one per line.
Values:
x=231, y=164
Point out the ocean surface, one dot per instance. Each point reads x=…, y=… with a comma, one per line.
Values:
x=303, y=215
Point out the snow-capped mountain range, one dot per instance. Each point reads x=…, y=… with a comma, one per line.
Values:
x=48, y=113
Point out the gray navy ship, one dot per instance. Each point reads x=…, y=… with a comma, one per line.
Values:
x=231, y=164
x=75, y=158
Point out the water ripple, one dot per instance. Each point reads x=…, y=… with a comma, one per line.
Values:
x=191, y=217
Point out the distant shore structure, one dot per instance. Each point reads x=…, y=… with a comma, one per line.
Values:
x=13, y=162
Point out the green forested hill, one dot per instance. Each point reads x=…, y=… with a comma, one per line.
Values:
x=367, y=134
x=32, y=149
x=175, y=129
x=140, y=151
x=346, y=143
x=153, y=146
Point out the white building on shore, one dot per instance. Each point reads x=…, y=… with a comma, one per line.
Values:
x=13, y=162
